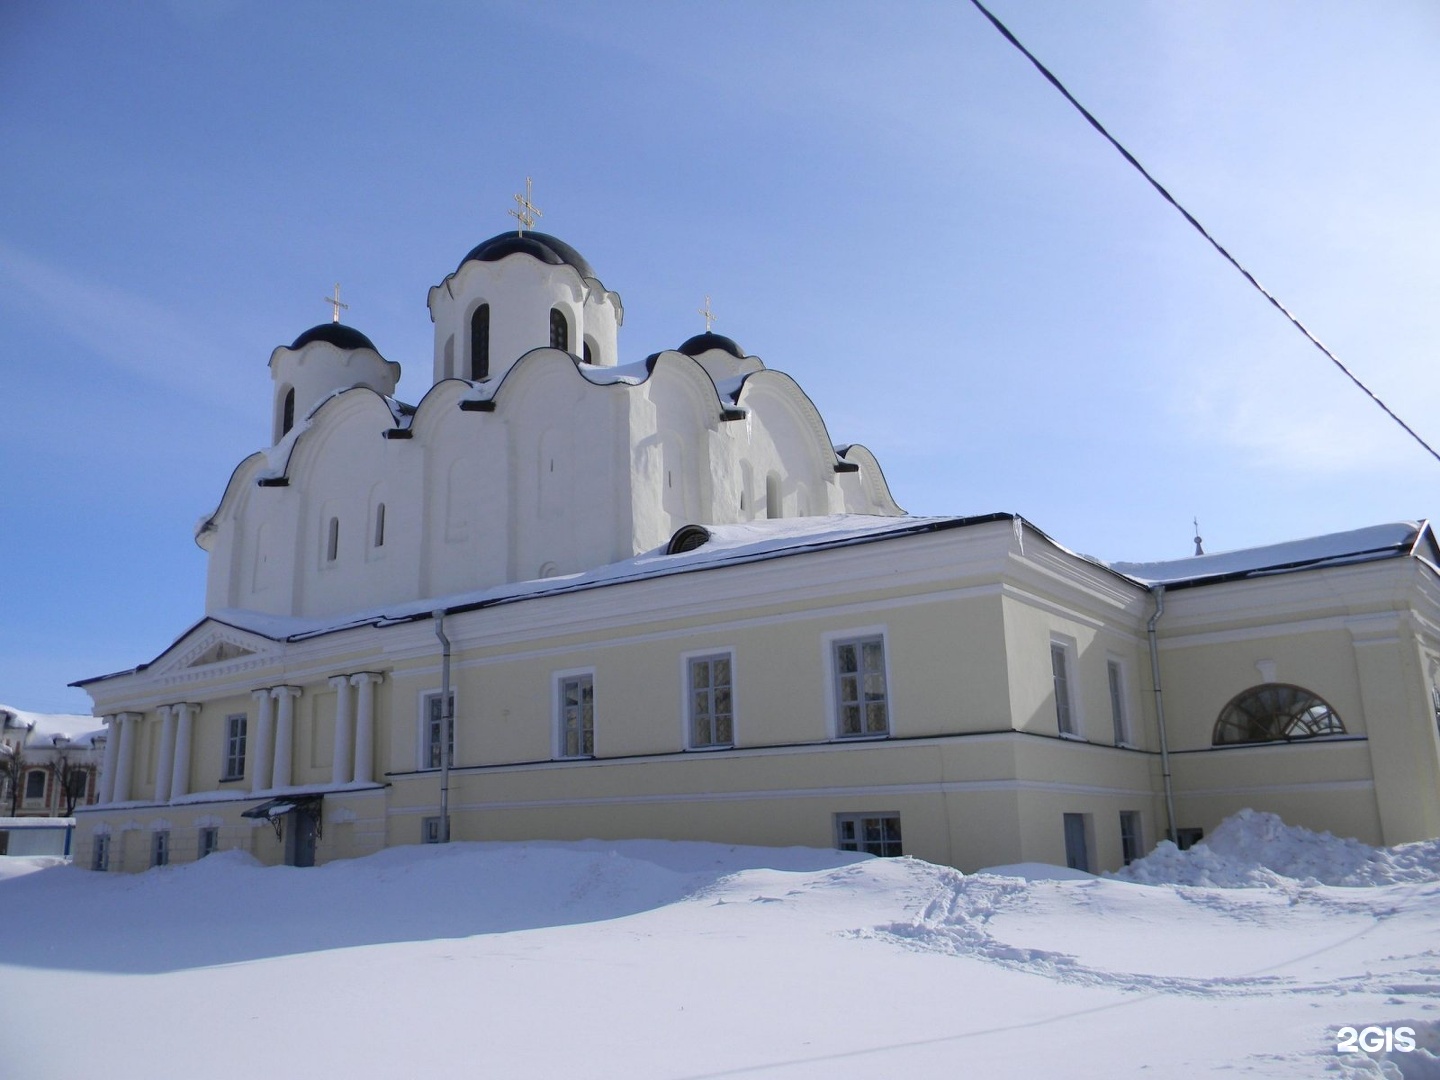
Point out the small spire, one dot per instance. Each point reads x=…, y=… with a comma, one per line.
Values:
x=528, y=211
x=335, y=304
x=709, y=315
x=1199, y=544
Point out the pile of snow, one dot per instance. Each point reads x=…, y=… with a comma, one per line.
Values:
x=1252, y=849
x=653, y=960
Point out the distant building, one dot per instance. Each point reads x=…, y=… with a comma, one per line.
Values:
x=49, y=767
x=674, y=608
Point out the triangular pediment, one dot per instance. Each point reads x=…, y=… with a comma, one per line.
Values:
x=212, y=646
x=221, y=650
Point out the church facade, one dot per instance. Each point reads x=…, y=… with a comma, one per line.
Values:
x=668, y=605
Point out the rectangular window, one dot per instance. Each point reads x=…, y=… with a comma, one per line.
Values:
x=1131, y=846
x=235, y=728
x=712, y=712
x=432, y=723
x=160, y=847
x=1060, y=667
x=1077, y=842
x=79, y=781
x=209, y=842
x=878, y=834
x=430, y=830
x=34, y=786
x=100, y=856
x=577, y=716
x=861, y=701
x=1117, y=702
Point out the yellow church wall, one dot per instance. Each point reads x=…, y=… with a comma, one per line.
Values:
x=1327, y=784
x=1200, y=679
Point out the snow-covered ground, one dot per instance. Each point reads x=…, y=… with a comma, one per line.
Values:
x=651, y=959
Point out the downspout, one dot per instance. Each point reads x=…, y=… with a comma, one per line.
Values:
x=447, y=724
x=1159, y=593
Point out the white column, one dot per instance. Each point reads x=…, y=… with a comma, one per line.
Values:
x=262, y=746
x=106, y=793
x=180, y=774
x=165, y=759
x=365, y=725
x=284, y=734
x=342, y=761
x=124, y=763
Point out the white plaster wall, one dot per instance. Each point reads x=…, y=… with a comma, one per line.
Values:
x=521, y=291
x=319, y=369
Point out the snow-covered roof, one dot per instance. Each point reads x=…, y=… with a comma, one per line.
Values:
x=754, y=541
x=728, y=545
x=1390, y=541
x=44, y=728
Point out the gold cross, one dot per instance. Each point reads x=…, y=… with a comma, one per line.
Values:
x=709, y=315
x=528, y=211
x=334, y=302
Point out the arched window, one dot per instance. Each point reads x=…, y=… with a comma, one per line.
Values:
x=589, y=357
x=1275, y=712
x=332, y=540
x=287, y=415
x=480, y=343
x=380, y=525
x=559, y=330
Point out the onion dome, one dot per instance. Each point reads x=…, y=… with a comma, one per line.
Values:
x=337, y=334
x=703, y=343
x=537, y=245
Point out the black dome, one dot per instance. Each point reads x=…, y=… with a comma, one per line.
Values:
x=337, y=334
x=702, y=343
x=537, y=245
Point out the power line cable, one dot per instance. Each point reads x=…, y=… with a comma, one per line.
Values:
x=1005, y=32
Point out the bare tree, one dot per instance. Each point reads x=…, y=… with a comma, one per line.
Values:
x=72, y=779
x=12, y=772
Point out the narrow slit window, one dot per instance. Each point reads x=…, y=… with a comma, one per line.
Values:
x=380, y=525
x=559, y=330
x=480, y=343
x=332, y=540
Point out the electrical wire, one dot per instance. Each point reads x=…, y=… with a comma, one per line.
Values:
x=1005, y=32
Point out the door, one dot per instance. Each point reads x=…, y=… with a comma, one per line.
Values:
x=300, y=836
x=1077, y=853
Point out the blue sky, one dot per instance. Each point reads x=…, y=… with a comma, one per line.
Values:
x=887, y=202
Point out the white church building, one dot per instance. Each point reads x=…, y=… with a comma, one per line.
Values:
x=669, y=605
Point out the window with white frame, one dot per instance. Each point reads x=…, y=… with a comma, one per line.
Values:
x=100, y=853
x=209, y=842
x=235, y=729
x=1131, y=844
x=432, y=728
x=878, y=834
x=160, y=847
x=711, y=705
x=576, y=720
x=1062, y=667
x=35, y=786
x=1118, y=717
x=862, y=705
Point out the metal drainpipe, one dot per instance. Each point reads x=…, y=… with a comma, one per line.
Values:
x=1159, y=593
x=447, y=723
